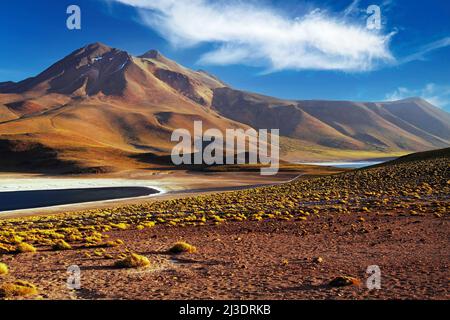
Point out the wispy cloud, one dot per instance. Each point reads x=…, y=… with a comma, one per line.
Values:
x=352, y=7
x=438, y=95
x=421, y=53
x=248, y=33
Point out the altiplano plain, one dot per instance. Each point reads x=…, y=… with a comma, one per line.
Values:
x=103, y=118
x=286, y=241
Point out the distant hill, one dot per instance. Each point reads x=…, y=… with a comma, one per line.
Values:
x=405, y=125
x=422, y=156
x=102, y=109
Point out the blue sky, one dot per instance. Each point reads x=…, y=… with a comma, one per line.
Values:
x=286, y=48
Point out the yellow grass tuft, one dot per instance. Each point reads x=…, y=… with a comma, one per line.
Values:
x=25, y=247
x=3, y=269
x=181, y=247
x=120, y=226
x=17, y=288
x=114, y=243
x=149, y=224
x=5, y=248
x=61, y=245
x=133, y=261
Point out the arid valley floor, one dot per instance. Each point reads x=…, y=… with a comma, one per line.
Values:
x=284, y=241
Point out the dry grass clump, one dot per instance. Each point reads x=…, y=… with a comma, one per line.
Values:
x=18, y=288
x=148, y=224
x=120, y=226
x=133, y=261
x=114, y=243
x=6, y=248
x=61, y=245
x=25, y=247
x=181, y=247
x=3, y=269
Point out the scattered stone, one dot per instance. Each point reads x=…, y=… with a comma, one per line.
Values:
x=344, y=281
x=318, y=260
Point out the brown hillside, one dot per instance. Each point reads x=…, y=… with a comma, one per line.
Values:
x=101, y=107
x=411, y=124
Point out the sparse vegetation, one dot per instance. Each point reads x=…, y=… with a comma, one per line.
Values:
x=418, y=186
x=411, y=189
x=4, y=248
x=114, y=243
x=17, y=288
x=25, y=247
x=3, y=269
x=133, y=261
x=61, y=245
x=181, y=247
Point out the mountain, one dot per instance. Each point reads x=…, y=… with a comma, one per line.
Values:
x=410, y=125
x=101, y=109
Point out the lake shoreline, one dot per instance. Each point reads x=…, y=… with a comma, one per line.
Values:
x=170, y=186
x=345, y=164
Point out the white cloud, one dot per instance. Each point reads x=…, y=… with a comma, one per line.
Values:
x=247, y=33
x=438, y=95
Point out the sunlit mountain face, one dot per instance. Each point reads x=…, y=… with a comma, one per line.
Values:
x=133, y=103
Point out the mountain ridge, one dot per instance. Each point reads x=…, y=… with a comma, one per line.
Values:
x=346, y=124
x=101, y=106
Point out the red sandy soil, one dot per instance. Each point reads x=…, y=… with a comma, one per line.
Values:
x=260, y=260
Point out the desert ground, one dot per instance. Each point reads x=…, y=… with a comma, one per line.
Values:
x=279, y=241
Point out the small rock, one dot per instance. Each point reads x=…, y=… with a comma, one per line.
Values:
x=318, y=260
x=343, y=281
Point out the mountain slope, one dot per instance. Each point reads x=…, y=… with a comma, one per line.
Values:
x=101, y=109
x=411, y=124
x=101, y=106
